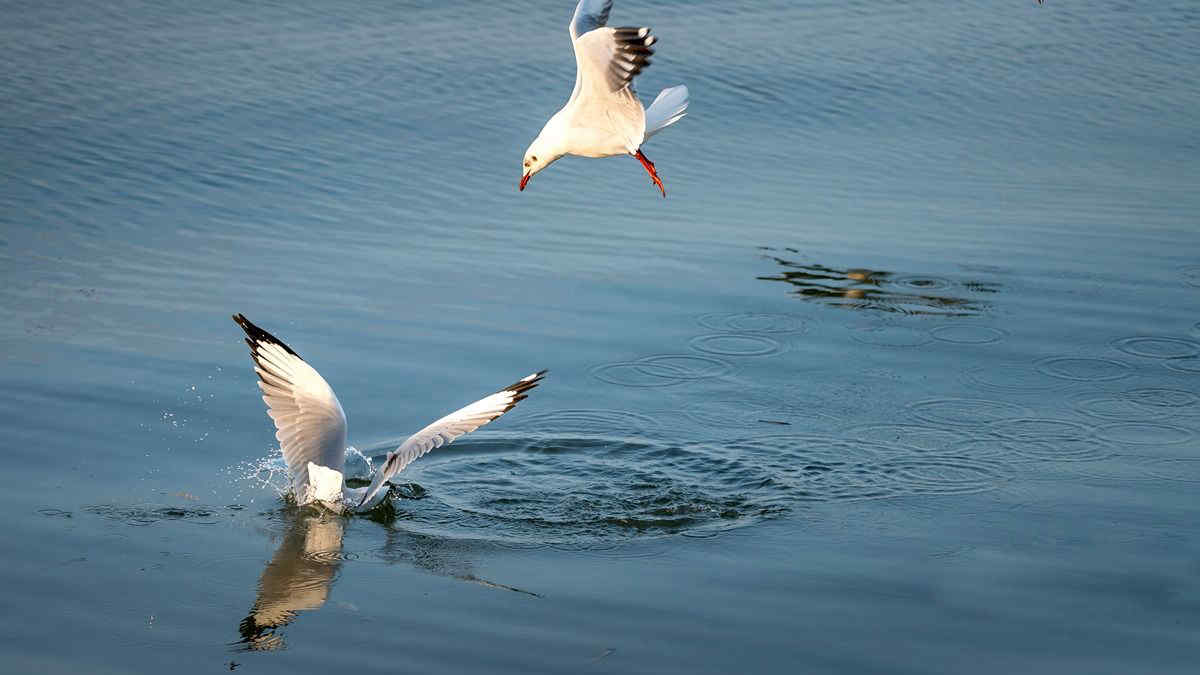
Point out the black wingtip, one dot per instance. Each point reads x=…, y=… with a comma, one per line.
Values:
x=634, y=47
x=523, y=385
x=255, y=334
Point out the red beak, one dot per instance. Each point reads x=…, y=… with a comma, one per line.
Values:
x=525, y=181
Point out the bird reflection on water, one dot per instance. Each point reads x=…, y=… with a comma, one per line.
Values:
x=300, y=575
x=871, y=289
x=297, y=578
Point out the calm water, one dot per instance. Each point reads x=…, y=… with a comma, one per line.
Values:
x=904, y=376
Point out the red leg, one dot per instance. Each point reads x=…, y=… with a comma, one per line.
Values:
x=650, y=170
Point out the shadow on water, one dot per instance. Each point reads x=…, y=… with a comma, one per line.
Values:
x=862, y=288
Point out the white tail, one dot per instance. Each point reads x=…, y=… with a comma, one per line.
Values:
x=670, y=106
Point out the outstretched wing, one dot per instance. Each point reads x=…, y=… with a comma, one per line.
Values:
x=450, y=427
x=589, y=15
x=309, y=422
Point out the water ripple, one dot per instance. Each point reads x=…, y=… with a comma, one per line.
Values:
x=1185, y=469
x=1145, y=433
x=1112, y=407
x=922, y=438
x=597, y=490
x=586, y=421
x=1040, y=429
x=1012, y=377
x=966, y=411
x=663, y=370
x=736, y=344
x=1084, y=369
x=1062, y=449
x=1161, y=397
x=148, y=515
x=949, y=475
x=890, y=335
x=1190, y=275
x=1190, y=365
x=601, y=490
x=966, y=334
x=754, y=322
x=1157, y=347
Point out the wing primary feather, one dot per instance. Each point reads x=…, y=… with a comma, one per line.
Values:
x=632, y=49
x=256, y=334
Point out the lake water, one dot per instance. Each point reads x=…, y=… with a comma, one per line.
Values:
x=904, y=375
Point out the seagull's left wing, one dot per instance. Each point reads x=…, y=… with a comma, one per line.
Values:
x=309, y=422
x=450, y=427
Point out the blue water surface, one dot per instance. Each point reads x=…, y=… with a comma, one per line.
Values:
x=902, y=377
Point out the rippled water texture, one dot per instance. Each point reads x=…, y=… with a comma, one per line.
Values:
x=902, y=376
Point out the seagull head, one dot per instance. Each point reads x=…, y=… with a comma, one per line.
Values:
x=541, y=153
x=535, y=160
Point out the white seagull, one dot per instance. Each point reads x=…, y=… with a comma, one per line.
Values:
x=311, y=427
x=604, y=117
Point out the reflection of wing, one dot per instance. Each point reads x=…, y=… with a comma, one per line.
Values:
x=443, y=557
x=450, y=427
x=297, y=578
x=309, y=421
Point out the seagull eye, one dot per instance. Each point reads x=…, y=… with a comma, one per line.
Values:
x=534, y=158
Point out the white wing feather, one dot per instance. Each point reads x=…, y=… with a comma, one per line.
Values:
x=450, y=427
x=309, y=421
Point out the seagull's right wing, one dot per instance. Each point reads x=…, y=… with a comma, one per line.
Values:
x=444, y=431
x=309, y=422
x=589, y=15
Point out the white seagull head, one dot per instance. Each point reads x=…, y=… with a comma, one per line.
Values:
x=542, y=152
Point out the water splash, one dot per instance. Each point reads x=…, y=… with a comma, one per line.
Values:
x=268, y=473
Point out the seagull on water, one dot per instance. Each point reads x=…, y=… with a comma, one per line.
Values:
x=311, y=427
x=604, y=117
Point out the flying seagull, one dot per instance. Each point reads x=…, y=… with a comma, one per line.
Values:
x=311, y=427
x=604, y=117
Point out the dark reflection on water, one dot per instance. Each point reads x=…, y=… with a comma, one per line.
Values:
x=301, y=573
x=863, y=288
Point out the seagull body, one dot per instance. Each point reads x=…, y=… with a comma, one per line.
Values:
x=604, y=117
x=311, y=426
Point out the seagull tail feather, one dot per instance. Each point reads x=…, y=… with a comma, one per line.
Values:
x=668, y=108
